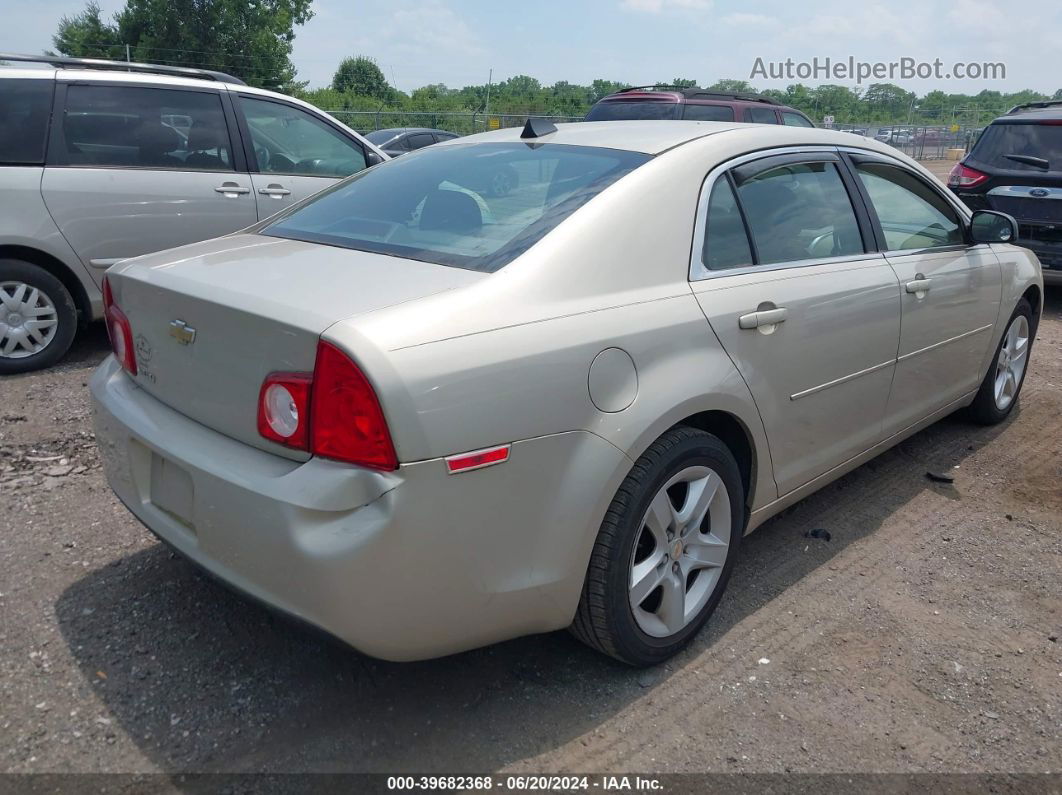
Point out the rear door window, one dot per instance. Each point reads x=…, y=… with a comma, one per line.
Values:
x=800, y=211
x=25, y=107
x=155, y=128
x=761, y=116
x=1042, y=141
x=708, y=112
x=420, y=140
x=633, y=110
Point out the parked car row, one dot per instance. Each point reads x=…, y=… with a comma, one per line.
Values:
x=99, y=165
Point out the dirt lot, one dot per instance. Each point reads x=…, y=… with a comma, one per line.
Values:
x=923, y=636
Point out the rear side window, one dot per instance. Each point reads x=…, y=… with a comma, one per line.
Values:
x=761, y=116
x=475, y=206
x=800, y=211
x=1030, y=140
x=156, y=128
x=708, y=112
x=912, y=214
x=25, y=107
x=791, y=119
x=726, y=245
x=634, y=110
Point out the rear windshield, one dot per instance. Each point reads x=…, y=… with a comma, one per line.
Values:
x=475, y=206
x=1031, y=140
x=636, y=109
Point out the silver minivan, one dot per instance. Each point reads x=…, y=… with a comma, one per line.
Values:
x=99, y=165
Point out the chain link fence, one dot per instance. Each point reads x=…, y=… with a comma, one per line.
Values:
x=925, y=142
x=462, y=123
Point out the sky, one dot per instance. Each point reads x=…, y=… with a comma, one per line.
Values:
x=458, y=42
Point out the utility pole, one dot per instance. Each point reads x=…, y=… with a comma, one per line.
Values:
x=490, y=79
x=127, y=58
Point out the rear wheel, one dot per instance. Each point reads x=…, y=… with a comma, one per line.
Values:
x=38, y=318
x=1002, y=383
x=664, y=551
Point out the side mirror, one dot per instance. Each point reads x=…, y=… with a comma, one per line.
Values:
x=989, y=226
x=372, y=159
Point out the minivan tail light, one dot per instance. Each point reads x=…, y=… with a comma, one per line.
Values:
x=346, y=420
x=284, y=409
x=963, y=177
x=118, y=330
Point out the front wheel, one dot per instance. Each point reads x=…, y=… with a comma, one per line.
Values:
x=38, y=318
x=664, y=551
x=1002, y=383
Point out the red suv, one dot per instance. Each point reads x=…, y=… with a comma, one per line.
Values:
x=698, y=104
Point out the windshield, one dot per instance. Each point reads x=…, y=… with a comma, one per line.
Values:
x=475, y=206
x=380, y=137
x=1042, y=141
x=636, y=109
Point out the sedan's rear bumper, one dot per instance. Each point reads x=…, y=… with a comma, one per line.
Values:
x=402, y=565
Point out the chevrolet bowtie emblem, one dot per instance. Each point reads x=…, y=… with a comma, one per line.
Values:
x=182, y=332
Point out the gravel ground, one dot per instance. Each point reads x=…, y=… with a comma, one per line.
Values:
x=922, y=636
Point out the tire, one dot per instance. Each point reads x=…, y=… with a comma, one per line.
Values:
x=35, y=300
x=987, y=407
x=628, y=553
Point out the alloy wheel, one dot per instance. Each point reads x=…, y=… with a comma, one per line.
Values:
x=682, y=546
x=1011, y=362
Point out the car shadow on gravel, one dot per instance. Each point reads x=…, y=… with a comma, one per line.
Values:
x=203, y=680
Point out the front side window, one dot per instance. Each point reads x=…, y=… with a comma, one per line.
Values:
x=800, y=211
x=439, y=204
x=912, y=214
x=726, y=244
x=791, y=119
x=25, y=106
x=155, y=128
x=708, y=112
x=761, y=116
x=288, y=140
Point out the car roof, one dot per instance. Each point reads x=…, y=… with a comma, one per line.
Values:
x=1030, y=116
x=653, y=137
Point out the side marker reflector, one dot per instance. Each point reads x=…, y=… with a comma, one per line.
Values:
x=464, y=462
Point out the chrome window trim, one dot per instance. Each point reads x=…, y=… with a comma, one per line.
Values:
x=1025, y=191
x=698, y=271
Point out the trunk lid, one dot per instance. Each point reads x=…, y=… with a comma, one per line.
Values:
x=211, y=320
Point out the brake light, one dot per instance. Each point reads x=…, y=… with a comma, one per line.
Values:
x=346, y=421
x=118, y=330
x=284, y=409
x=964, y=177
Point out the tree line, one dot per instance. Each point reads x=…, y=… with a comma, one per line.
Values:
x=253, y=41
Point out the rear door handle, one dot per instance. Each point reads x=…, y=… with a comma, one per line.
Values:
x=276, y=191
x=231, y=189
x=765, y=317
x=919, y=285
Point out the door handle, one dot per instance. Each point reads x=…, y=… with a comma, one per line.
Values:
x=919, y=285
x=276, y=191
x=231, y=189
x=764, y=317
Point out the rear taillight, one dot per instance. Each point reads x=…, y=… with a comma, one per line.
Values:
x=964, y=177
x=332, y=413
x=284, y=409
x=118, y=330
x=346, y=421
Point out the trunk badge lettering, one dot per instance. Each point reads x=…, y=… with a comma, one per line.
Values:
x=182, y=332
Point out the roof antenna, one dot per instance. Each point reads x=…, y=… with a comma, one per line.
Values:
x=537, y=127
